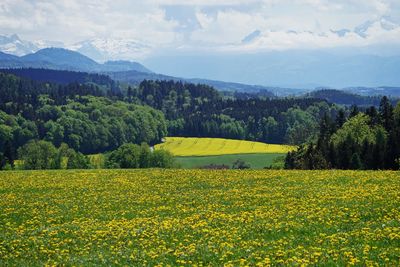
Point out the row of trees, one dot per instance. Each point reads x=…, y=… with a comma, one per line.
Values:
x=365, y=140
x=42, y=155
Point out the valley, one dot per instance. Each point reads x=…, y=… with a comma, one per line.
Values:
x=200, y=133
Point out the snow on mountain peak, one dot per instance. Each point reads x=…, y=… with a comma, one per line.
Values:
x=14, y=45
x=99, y=49
x=102, y=49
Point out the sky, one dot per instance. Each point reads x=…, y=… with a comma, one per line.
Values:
x=223, y=25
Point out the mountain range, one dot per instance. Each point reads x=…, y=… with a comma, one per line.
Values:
x=122, y=71
x=14, y=45
x=98, y=49
x=63, y=59
x=103, y=49
x=277, y=72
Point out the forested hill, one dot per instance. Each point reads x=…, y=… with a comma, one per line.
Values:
x=91, y=118
x=201, y=111
x=63, y=59
x=132, y=77
x=346, y=98
x=83, y=116
x=62, y=76
x=136, y=77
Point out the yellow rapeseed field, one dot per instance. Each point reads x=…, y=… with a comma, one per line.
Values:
x=193, y=146
x=199, y=218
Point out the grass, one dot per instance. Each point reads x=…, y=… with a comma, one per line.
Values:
x=256, y=161
x=193, y=146
x=199, y=217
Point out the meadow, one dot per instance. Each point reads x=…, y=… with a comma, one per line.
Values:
x=256, y=161
x=193, y=146
x=199, y=218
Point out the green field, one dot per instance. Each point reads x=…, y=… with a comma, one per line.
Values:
x=256, y=161
x=199, y=218
x=196, y=152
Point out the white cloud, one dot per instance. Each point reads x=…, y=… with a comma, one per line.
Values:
x=72, y=20
x=226, y=27
x=219, y=25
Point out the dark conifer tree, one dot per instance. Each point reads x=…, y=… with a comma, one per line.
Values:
x=355, y=162
x=340, y=119
x=386, y=113
x=373, y=114
x=354, y=111
x=9, y=153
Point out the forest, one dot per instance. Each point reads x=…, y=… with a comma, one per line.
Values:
x=95, y=115
x=84, y=117
x=364, y=140
x=201, y=111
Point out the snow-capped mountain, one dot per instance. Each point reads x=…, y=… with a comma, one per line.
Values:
x=105, y=49
x=98, y=49
x=101, y=49
x=383, y=24
x=14, y=45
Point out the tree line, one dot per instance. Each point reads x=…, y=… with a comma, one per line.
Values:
x=201, y=111
x=43, y=155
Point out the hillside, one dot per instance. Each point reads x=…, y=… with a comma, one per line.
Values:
x=134, y=73
x=7, y=57
x=375, y=91
x=123, y=71
x=61, y=76
x=187, y=146
x=345, y=98
x=86, y=117
x=136, y=77
x=63, y=59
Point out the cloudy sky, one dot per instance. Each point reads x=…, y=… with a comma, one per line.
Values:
x=221, y=25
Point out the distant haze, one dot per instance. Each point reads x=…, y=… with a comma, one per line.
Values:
x=287, y=43
x=297, y=69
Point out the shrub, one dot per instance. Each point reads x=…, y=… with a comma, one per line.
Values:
x=240, y=164
x=77, y=160
x=134, y=156
x=162, y=159
x=126, y=156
